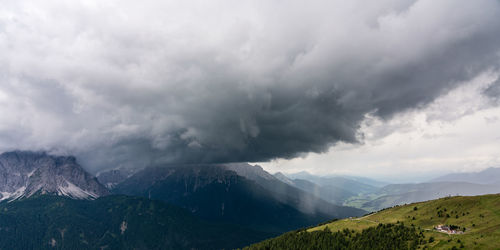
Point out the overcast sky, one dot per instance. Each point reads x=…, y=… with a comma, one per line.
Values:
x=458, y=132
x=385, y=87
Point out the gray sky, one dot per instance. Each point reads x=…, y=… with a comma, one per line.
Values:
x=330, y=86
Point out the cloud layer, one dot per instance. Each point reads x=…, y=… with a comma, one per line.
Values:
x=129, y=83
x=457, y=132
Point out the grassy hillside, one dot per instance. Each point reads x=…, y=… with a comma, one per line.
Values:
x=479, y=215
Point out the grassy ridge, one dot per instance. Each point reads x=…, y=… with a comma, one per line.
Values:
x=480, y=215
x=477, y=216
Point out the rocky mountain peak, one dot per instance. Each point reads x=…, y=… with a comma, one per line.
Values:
x=25, y=173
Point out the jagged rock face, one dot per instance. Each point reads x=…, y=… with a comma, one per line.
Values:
x=23, y=174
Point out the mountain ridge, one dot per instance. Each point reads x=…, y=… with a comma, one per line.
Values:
x=26, y=173
x=488, y=176
x=399, y=194
x=217, y=193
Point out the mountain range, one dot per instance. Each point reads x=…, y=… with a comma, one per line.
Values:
x=52, y=202
x=354, y=183
x=489, y=176
x=334, y=189
x=357, y=191
x=239, y=194
x=44, y=195
x=399, y=194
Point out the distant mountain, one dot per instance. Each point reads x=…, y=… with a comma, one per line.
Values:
x=280, y=176
x=488, y=176
x=331, y=194
x=112, y=222
x=367, y=181
x=24, y=173
x=335, y=189
x=303, y=175
x=300, y=194
x=352, y=185
x=398, y=194
x=239, y=193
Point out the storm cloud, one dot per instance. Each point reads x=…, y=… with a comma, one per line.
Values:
x=127, y=83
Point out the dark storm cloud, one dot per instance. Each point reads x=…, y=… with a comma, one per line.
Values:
x=493, y=91
x=133, y=84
